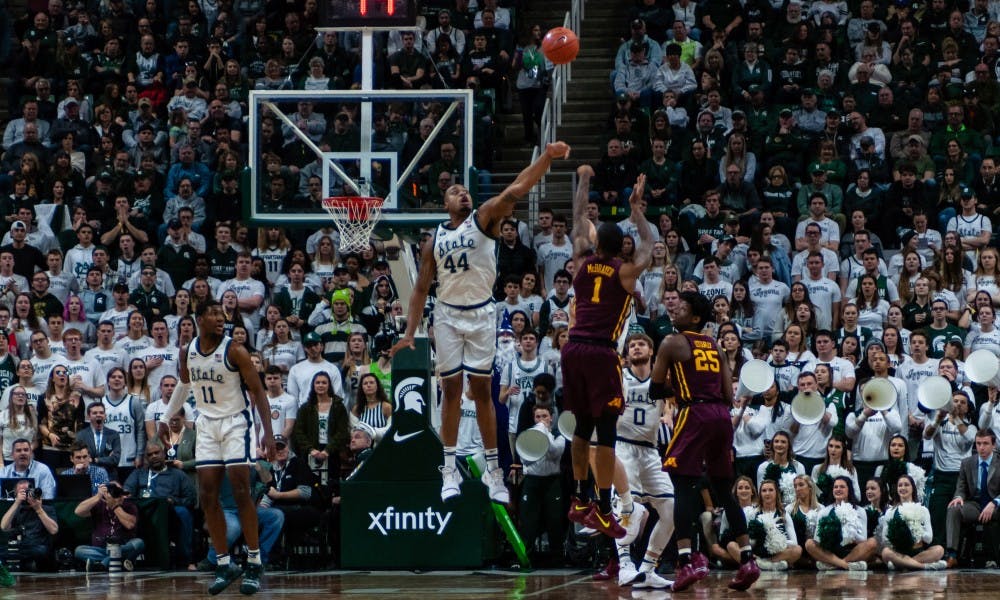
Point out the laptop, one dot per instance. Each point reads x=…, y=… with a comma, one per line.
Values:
x=73, y=487
x=8, y=486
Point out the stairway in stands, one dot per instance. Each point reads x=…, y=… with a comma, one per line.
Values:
x=589, y=97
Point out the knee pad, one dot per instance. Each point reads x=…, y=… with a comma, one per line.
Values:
x=607, y=430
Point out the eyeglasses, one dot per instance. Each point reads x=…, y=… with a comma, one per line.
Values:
x=60, y=372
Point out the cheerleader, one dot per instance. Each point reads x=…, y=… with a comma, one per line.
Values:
x=782, y=467
x=772, y=533
x=906, y=532
x=897, y=465
x=836, y=463
x=877, y=500
x=719, y=537
x=841, y=540
x=804, y=508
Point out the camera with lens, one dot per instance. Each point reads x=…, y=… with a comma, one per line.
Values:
x=115, y=491
x=36, y=493
x=384, y=339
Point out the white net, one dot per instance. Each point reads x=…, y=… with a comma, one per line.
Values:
x=355, y=218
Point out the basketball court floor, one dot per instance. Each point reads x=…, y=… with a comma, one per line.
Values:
x=548, y=584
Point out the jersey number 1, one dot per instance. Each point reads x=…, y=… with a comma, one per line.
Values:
x=453, y=266
x=596, y=298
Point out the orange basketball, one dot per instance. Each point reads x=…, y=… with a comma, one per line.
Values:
x=560, y=45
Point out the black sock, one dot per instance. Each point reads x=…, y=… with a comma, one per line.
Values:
x=604, y=500
x=683, y=557
x=579, y=486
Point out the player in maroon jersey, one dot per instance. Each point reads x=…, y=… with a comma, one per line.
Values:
x=703, y=434
x=592, y=371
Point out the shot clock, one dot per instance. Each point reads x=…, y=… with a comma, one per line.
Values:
x=367, y=13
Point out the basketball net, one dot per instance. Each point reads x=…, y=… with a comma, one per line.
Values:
x=355, y=217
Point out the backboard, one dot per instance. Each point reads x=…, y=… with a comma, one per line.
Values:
x=385, y=143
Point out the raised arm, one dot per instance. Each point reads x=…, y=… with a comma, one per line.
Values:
x=583, y=229
x=644, y=252
x=500, y=207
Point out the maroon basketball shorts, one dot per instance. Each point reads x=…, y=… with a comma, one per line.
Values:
x=702, y=441
x=592, y=379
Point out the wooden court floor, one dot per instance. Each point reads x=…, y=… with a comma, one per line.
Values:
x=548, y=585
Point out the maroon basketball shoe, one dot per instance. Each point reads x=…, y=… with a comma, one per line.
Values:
x=685, y=578
x=606, y=524
x=749, y=572
x=609, y=572
x=700, y=563
x=578, y=510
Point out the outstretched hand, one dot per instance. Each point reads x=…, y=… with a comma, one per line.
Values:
x=557, y=150
x=585, y=171
x=635, y=200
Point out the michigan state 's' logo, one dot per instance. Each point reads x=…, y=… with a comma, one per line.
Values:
x=409, y=395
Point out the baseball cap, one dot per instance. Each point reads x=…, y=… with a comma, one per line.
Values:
x=753, y=89
x=280, y=440
x=816, y=168
x=906, y=237
x=311, y=338
x=120, y=287
x=174, y=224
x=739, y=114
x=808, y=92
x=18, y=225
x=732, y=219
x=915, y=138
x=341, y=296
x=785, y=112
x=365, y=427
x=637, y=24
x=833, y=112
x=105, y=176
x=967, y=192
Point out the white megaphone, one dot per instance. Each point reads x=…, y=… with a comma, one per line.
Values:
x=567, y=424
x=756, y=377
x=879, y=394
x=532, y=444
x=983, y=367
x=808, y=408
x=934, y=393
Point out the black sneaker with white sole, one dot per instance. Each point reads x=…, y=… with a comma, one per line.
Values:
x=251, y=579
x=224, y=575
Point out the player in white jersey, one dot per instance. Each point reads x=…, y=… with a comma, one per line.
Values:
x=463, y=261
x=636, y=449
x=215, y=371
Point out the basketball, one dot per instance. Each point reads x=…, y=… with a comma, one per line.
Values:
x=560, y=45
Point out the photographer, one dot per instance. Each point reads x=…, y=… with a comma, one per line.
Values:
x=115, y=517
x=34, y=521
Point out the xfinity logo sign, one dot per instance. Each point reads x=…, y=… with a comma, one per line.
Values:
x=392, y=520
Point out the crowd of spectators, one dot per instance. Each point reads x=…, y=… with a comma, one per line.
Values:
x=121, y=193
x=825, y=173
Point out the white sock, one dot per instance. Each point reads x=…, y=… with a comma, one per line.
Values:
x=628, y=505
x=491, y=459
x=648, y=563
x=222, y=560
x=253, y=556
x=449, y=457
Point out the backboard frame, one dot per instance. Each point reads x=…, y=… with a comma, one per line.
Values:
x=366, y=99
